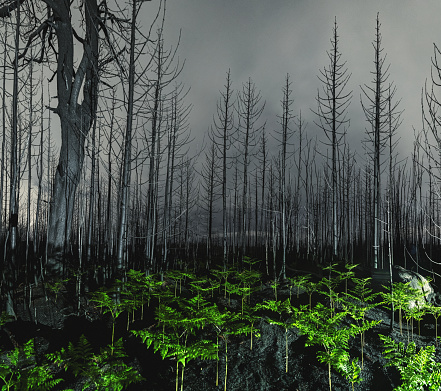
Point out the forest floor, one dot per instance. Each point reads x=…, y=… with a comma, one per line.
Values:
x=262, y=368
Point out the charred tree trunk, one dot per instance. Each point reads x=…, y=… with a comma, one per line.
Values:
x=75, y=118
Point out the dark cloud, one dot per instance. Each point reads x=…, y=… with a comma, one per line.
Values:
x=265, y=40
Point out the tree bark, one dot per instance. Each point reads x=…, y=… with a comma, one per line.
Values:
x=76, y=120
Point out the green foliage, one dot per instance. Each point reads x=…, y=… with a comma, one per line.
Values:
x=419, y=371
x=274, y=285
x=280, y=308
x=324, y=327
x=358, y=302
x=400, y=297
x=362, y=291
x=330, y=284
x=177, y=276
x=224, y=275
x=104, y=299
x=298, y=282
x=436, y=313
x=310, y=287
x=110, y=305
x=104, y=371
x=5, y=318
x=347, y=275
x=56, y=286
x=202, y=287
x=350, y=369
x=172, y=345
x=250, y=317
x=416, y=313
x=20, y=372
x=250, y=261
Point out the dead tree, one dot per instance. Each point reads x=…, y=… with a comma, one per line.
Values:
x=377, y=110
x=333, y=102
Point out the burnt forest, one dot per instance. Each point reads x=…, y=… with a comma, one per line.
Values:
x=152, y=240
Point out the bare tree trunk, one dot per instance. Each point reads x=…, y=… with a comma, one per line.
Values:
x=29, y=156
x=40, y=178
x=377, y=114
x=13, y=201
x=332, y=110
x=75, y=119
x=249, y=113
x=3, y=166
x=91, y=198
x=125, y=184
x=284, y=138
x=224, y=125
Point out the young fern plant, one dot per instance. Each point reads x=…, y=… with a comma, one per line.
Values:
x=400, y=298
x=350, y=369
x=310, y=287
x=436, y=313
x=328, y=290
x=347, y=275
x=415, y=313
x=202, y=287
x=419, y=371
x=171, y=345
x=226, y=325
x=176, y=276
x=324, y=327
x=197, y=312
x=358, y=302
x=19, y=371
x=274, y=285
x=249, y=316
x=56, y=287
x=249, y=279
x=138, y=290
x=224, y=275
x=298, y=282
x=239, y=290
x=282, y=308
x=104, y=300
x=250, y=261
x=105, y=371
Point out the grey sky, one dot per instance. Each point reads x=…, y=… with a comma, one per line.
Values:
x=265, y=39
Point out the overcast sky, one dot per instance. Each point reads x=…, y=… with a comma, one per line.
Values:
x=266, y=39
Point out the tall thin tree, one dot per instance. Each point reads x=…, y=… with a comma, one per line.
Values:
x=333, y=102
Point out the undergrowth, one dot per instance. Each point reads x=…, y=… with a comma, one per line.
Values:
x=192, y=322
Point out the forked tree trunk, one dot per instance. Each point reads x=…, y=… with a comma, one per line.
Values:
x=76, y=120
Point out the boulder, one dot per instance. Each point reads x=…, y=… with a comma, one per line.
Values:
x=416, y=281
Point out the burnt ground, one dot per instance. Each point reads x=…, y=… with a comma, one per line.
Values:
x=262, y=368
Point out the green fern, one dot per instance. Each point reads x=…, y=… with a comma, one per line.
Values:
x=436, y=313
x=104, y=300
x=19, y=371
x=171, y=345
x=400, y=297
x=56, y=287
x=298, y=282
x=350, y=369
x=325, y=328
x=419, y=371
x=5, y=318
x=104, y=371
x=358, y=303
x=281, y=308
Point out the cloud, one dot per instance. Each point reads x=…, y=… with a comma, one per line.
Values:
x=266, y=40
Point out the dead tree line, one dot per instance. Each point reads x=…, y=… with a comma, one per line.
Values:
x=144, y=198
